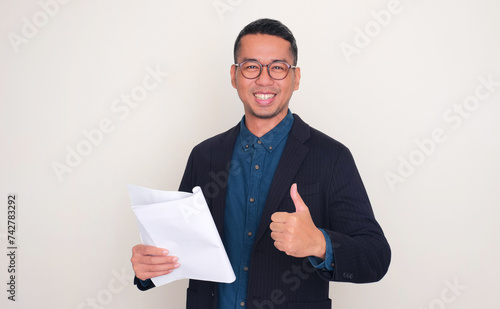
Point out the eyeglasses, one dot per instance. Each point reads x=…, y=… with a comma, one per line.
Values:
x=277, y=69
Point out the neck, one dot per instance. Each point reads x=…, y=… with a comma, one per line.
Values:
x=260, y=126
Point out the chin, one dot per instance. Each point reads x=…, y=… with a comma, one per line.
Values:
x=265, y=114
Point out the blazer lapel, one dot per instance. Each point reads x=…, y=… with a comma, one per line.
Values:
x=219, y=174
x=294, y=153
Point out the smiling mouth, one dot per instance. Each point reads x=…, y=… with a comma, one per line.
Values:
x=264, y=96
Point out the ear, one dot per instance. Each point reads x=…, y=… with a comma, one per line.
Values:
x=233, y=76
x=297, y=79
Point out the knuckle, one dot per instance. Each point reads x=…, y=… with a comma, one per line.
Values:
x=134, y=259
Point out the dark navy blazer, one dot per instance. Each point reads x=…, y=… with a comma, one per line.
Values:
x=329, y=183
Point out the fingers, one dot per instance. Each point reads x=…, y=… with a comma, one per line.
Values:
x=280, y=217
x=145, y=271
x=156, y=260
x=145, y=275
x=149, y=250
x=150, y=261
x=276, y=227
x=281, y=243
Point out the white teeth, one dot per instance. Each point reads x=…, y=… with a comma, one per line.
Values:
x=261, y=96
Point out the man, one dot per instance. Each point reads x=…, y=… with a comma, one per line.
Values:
x=287, y=200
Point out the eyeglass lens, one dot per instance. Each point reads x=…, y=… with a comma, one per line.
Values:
x=252, y=69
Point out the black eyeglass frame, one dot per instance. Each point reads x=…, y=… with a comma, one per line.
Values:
x=266, y=65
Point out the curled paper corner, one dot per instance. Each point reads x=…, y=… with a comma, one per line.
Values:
x=182, y=223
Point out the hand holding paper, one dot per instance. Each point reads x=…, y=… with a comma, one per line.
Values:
x=149, y=262
x=181, y=223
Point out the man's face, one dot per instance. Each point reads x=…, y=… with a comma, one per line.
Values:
x=264, y=97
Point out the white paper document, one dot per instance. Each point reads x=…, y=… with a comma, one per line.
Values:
x=181, y=222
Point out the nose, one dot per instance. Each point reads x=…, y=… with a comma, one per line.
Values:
x=264, y=78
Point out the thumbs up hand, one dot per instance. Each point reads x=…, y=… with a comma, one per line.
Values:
x=295, y=233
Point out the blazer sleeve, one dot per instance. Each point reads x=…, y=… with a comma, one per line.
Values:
x=361, y=251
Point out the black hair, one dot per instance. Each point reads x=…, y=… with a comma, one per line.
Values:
x=270, y=27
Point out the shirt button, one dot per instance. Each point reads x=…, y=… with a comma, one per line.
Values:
x=245, y=268
x=242, y=304
x=270, y=147
x=333, y=264
x=257, y=167
x=246, y=146
x=250, y=234
x=252, y=200
x=259, y=142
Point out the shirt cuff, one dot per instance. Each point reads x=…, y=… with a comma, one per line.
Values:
x=328, y=263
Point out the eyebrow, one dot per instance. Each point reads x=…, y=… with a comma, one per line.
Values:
x=273, y=60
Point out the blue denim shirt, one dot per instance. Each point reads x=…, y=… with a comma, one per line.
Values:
x=253, y=165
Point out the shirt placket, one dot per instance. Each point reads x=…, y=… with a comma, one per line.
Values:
x=252, y=210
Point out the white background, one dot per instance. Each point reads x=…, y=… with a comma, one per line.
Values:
x=75, y=234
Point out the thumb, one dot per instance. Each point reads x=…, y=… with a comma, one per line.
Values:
x=300, y=206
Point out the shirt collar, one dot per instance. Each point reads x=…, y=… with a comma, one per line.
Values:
x=271, y=139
